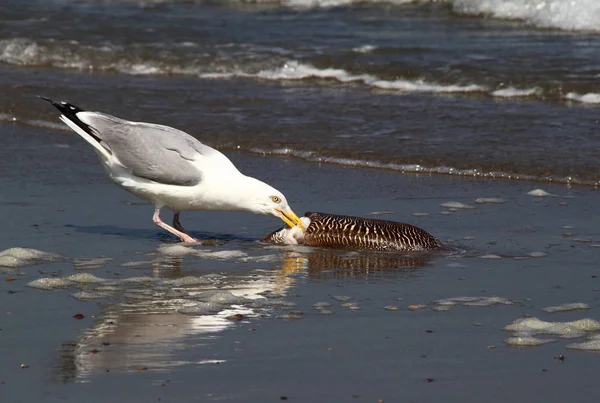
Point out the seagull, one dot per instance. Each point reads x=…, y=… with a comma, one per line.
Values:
x=170, y=168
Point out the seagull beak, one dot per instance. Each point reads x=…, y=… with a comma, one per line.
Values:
x=290, y=218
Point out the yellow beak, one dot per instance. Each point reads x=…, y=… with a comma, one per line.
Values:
x=290, y=218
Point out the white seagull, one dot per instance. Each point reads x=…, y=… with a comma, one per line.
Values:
x=170, y=168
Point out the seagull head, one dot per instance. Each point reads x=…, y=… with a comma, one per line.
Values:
x=264, y=199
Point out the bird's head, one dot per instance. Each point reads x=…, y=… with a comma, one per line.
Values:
x=264, y=199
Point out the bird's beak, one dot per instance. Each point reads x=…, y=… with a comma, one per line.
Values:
x=290, y=218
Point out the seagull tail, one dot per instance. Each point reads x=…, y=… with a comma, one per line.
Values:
x=69, y=117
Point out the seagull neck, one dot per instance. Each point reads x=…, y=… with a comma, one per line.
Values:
x=239, y=192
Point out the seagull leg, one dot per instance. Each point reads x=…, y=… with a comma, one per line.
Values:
x=181, y=235
x=176, y=224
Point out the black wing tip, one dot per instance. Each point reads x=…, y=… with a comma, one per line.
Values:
x=64, y=107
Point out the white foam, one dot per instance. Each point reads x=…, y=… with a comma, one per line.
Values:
x=50, y=283
x=563, y=14
x=589, y=98
x=364, y=49
x=327, y=3
x=222, y=254
x=473, y=301
x=593, y=344
x=88, y=295
x=90, y=263
x=511, y=92
x=417, y=214
x=19, y=257
x=576, y=306
x=490, y=256
x=489, y=200
x=176, y=250
x=539, y=193
x=534, y=326
x=85, y=278
x=456, y=205
x=527, y=341
x=294, y=70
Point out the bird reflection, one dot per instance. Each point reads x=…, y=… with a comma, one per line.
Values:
x=142, y=326
x=326, y=263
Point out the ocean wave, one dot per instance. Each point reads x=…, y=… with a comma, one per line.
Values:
x=580, y=15
x=294, y=70
x=311, y=156
x=141, y=60
x=573, y=15
x=325, y=3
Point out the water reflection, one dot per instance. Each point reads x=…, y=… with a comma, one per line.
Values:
x=148, y=322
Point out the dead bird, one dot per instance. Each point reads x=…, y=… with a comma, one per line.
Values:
x=339, y=231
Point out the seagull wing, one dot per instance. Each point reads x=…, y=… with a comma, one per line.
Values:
x=155, y=152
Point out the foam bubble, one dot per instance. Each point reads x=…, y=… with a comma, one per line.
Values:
x=539, y=193
x=222, y=254
x=489, y=200
x=580, y=15
x=589, y=98
x=50, y=283
x=490, y=256
x=534, y=326
x=294, y=70
x=19, y=257
x=420, y=214
x=176, y=250
x=342, y=298
x=364, y=49
x=593, y=344
x=473, y=301
x=456, y=205
x=88, y=295
x=576, y=306
x=85, y=278
x=90, y=263
x=136, y=264
x=527, y=341
x=511, y=92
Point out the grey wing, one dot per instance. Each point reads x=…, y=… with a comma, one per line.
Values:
x=155, y=152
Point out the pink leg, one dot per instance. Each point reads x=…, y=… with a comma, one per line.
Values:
x=181, y=235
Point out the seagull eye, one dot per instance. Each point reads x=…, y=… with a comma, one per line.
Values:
x=276, y=199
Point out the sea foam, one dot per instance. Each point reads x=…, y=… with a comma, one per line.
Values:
x=575, y=15
x=579, y=15
x=295, y=70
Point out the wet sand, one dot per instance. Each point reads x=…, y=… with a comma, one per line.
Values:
x=364, y=340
